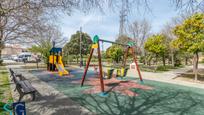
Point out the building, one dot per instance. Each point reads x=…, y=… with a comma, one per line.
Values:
x=12, y=49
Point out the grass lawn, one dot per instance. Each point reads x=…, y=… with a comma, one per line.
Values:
x=159, y=68
x=163, y=99
x=5, y=92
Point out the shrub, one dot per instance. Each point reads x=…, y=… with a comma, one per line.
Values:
x=177, y=63
x=142, y=59
x=1, y=61
x=162, y=68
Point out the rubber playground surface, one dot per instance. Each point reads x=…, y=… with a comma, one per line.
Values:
x=127, y=97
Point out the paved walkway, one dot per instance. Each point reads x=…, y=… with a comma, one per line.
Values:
x=167, y=77
x=49, y=101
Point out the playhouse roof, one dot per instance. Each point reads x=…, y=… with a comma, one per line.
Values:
x=55, y=50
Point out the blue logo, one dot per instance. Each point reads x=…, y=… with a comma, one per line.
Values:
x=19, y=108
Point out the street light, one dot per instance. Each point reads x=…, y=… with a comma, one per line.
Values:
x=81, y=61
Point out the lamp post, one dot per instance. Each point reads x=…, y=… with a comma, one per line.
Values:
x=81, y=61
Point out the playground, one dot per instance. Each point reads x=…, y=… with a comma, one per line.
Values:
x=101, y=57
x=150, y=97
x=96, y=88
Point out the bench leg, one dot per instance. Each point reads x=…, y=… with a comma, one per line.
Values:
x=21, y=96
x=33, y=96
x=15, y=89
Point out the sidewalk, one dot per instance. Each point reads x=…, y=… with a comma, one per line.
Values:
x=48, y=101
x=168, y=77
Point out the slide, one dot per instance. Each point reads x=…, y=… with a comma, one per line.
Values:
x=61, y=70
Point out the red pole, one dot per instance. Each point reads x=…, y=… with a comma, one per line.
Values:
x=125, y=58
x=135, y=60
x=87, y=67
x=100, y=68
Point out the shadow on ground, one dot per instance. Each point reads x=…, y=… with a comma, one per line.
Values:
x=53, y=105
x=165, y=98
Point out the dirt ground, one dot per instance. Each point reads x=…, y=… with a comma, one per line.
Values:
x=189, y=76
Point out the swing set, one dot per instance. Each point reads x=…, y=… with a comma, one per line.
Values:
x=122, y=72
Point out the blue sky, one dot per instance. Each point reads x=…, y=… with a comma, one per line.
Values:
x=107, y=25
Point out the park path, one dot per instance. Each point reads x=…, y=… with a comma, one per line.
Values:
x=166, y=77
x=169, y=77
x=49, y=101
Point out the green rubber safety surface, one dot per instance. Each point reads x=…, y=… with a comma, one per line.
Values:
x=163, y=99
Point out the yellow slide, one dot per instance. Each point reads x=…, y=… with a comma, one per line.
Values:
x=60, y=67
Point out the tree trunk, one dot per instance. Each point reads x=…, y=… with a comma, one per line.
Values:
x=77, y=59
x=149, y=62
x=156, y=60
x=0, y=52
x=37, y=64
x=163, y=59
x=186, y=60
x=1, y=40
x=195, y=65
x=172, y=59
x=144, y=61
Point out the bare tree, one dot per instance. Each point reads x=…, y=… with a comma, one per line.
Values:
x=167, y=32
x=140, y=30
x=42, y=42
x=189, y=5
x=18, y=16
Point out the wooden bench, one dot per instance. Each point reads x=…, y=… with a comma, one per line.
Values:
x=12, y=74
x=23, y=86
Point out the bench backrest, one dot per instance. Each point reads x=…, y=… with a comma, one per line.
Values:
x=15, y=80
x=11, y=72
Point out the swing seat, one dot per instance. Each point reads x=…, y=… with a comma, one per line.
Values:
x=121, y=72
x=108, y=74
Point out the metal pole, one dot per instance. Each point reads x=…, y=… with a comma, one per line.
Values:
x=107, y=41
x=87, y=67
x=135, y=60
x=100, y=68
x=81, y=63
x=53, y=56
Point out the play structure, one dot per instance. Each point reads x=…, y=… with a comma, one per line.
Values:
x=120, y=72
x=55, y=61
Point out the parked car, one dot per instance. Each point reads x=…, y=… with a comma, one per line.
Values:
x=19, y=58
x=22, y=57
x=14, y=57
x=26, y=57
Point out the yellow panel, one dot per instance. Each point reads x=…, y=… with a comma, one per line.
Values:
x=51, y=59
x=118, y=72
x=122, y=71
x=95, y=46
x=60, y=60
